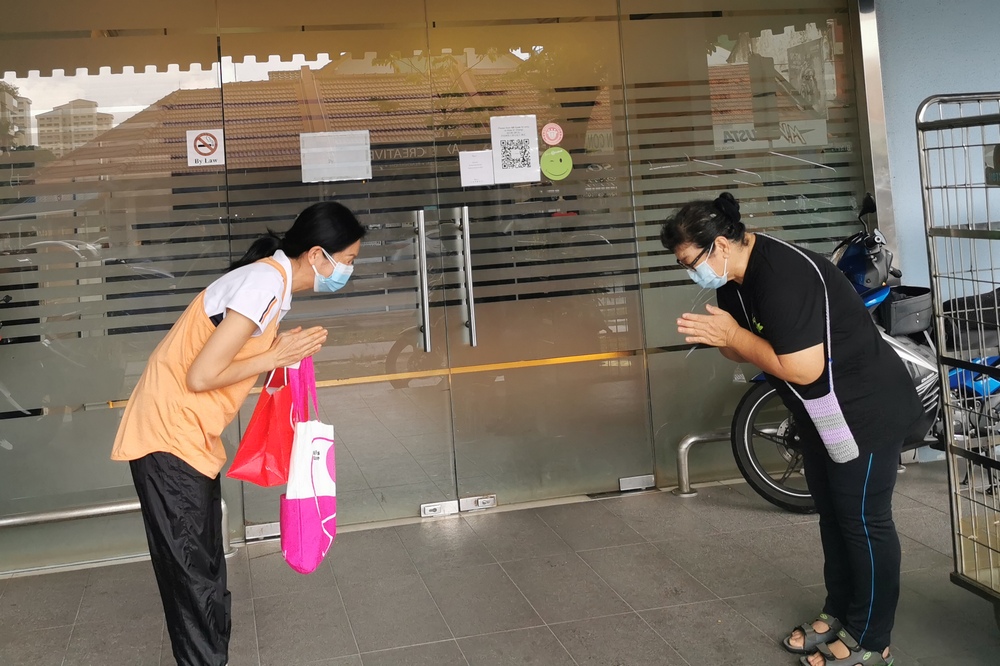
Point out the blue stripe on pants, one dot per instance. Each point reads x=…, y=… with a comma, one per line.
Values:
x=871, y=553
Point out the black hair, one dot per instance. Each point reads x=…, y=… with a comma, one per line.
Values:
x=327, y=224
x=700, y=222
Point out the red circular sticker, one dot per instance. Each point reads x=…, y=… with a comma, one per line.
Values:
x=552, y=134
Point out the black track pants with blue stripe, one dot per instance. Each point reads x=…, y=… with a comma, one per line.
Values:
x=860, y=544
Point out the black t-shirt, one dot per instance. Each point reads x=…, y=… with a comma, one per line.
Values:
x=784, y=300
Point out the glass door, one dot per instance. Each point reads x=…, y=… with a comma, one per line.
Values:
x=541, y=277
x=383, y=375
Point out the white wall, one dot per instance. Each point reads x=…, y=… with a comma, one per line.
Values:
x=928, y=47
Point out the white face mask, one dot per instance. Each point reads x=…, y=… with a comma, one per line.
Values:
x=706, y=277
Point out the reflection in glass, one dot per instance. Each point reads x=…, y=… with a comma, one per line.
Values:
x=107, y=235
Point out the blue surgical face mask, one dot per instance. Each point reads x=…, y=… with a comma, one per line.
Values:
x=337, y=279
x=706, y=277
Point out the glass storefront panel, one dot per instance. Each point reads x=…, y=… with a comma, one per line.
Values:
x=105, y=236
x=551, y=399
x=394, y=437
x=732, y=96
x=577, y=377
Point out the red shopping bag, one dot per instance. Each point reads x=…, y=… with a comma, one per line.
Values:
x=265, y=451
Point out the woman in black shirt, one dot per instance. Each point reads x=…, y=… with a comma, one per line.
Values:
x=795, y=316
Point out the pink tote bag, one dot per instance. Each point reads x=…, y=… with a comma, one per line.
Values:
x=309, y=505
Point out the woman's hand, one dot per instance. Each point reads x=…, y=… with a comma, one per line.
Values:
x=716, y=329
x=292, y=346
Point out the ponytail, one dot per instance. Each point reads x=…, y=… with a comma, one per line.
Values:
x=263, y=247
x=326, y=224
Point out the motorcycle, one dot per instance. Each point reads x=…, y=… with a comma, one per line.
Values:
x=765, y=437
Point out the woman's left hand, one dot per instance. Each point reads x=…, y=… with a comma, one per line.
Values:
x=716, y=329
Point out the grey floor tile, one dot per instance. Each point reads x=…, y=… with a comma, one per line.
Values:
x=41, y=647
x=901, y=502
x=727, y=510
x=983, y=656
x=443, y=543
x=353, y=660
x=588, y=525
x=388, y=472
x=962, y=605
x=516, y=535
x=524, y=647
x=404, y=501
x=723, y=564
x=926, y=483
x=645, y=577
x=123, y=590
x=349, y=476
x=238, y=575
x=358, y=506
x=40, y=602
x=271, y=575
x=658, y=515
x=928, y=526
x=562, y=588
x=445, y=653
x=616, y=641
x=392, y=611
x=480, y=600
x=243, y=641
x=790, y=517
x=365, y=448
x=439, y=467
x=303, y=627
x=927, y=627
x=795, y=550
x=917, y=556
x=435, y=443
x=714, y=633
x=368, y=555
x=117, y=642
x=777, y=613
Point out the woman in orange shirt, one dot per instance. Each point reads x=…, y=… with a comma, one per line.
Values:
x=194, y=384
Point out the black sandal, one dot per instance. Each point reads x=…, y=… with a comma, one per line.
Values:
x=812, y=639
x=858, y=656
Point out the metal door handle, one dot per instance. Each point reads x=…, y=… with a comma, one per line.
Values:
x=470, y=300
x=425, y=295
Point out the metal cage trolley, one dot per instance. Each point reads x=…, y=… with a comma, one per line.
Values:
x=958, y=137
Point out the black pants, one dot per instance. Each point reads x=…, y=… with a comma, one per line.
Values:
x=860, y=544
x=182, y=511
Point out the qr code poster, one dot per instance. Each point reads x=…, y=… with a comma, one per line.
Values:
x=515, y=149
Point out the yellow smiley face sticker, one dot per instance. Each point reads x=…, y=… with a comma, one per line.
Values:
x=556, y=163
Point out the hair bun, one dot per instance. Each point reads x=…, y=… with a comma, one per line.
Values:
x=728, y=206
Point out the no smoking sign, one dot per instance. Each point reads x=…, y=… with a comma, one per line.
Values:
x=206, y=147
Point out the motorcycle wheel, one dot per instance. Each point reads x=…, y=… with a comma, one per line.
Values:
x=764, y=445
x=405, y=355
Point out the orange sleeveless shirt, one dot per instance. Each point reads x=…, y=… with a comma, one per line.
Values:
x=163, y=415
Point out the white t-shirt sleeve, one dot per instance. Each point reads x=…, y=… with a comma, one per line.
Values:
x=255, y=291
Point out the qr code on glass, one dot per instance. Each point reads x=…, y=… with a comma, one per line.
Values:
x=514, y=154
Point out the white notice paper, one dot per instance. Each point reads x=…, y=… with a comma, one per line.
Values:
x=515, y=149
x=476, y=167
x=330, y=156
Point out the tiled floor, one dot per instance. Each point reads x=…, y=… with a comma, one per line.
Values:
x=645, y=579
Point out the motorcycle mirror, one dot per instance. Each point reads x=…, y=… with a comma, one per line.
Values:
x=867, y=208
x=868, y=205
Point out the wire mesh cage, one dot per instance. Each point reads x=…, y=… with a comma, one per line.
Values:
x=959, y=141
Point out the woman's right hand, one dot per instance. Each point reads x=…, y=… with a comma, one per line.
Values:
x=292, y=346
